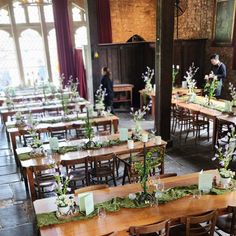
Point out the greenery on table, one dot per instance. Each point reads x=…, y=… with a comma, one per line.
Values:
x=66, y=149
x=175, y=72
x=225, y=153
x=143, y=168
x=115, y=204
x=211, y=86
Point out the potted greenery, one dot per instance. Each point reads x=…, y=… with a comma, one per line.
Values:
x=210, y=87
x=147, y=78
x=232, y=90
x=138, y=116
x=175, y=72
x=99, y=100
x=63, y=202
x=191, y=83
x=224, y=155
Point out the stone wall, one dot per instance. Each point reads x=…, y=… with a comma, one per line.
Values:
x=129, y=17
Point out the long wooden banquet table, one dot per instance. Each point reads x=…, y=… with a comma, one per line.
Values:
x=208, y=112
x=124, y=218
x=175, y=91
x=29, y=96
x=43, y=127
x=39, y=109
x=57, y=158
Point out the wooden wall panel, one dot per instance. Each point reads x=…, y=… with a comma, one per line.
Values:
x=128, y=61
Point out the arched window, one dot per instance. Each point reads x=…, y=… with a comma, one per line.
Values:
x=81, y=38
x=24, y=39
x=53, y=54
x=9, y=74
x=4, y=16
x=32, y=52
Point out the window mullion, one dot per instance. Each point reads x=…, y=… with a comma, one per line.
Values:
x=45, y=42
x=17, y=44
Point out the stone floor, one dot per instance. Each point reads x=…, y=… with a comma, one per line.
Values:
x=16, y=212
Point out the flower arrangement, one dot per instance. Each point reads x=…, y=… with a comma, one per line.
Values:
x=19, y=119
x=147, y=78
x=175, y=72
x=73, y=88
x=191, y=83
x=36, y=142
x=143, y=168
x=210, y=86
x=63, y=202
x=137, y=117
x=99, y=98
x=63, y=97
x=10, y=92
x=232, y=90
x=226, y=153
x=89, y=133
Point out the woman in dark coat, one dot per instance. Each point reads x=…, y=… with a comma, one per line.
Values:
x=107, y=84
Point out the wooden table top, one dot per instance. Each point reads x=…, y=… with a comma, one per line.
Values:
x=116, y=149
x=183, y=91
x=123, y=219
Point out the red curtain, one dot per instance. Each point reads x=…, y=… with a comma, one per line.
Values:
x=64, y=41
x=80, y=73
x=104, y=21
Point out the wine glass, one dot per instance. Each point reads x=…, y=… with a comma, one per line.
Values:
x=101, y=212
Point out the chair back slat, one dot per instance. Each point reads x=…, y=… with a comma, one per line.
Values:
x=201, y=225
x=162, y=229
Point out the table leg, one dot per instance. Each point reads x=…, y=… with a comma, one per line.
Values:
x=13, y=145
x=31, y=183
x=214, y=132
x=153, y=106
x=115, y=125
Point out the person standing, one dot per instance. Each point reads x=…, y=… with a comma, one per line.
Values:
x=219, y=70
x=107, y=84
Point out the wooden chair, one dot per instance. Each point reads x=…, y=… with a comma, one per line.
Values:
x=158, y=229
x=129, y=170
x=44, y=179
x=77, y=171
x=202, y=225
x=79, y=130
x=223, y=127
x=104, y=127
x=227, y=223
x=181, y=118
x=91, y=188
x=102, y=167
x=197, y=124
x=58, y=131
x=27, y=138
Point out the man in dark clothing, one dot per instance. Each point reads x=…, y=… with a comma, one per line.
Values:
x=219, y=69
x=107, y=84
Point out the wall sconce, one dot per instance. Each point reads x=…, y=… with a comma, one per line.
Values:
x=95, y=55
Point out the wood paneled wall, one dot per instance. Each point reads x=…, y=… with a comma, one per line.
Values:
x=128, y=61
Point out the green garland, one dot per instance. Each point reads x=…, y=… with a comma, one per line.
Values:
x=115, y=204
x=66, y=149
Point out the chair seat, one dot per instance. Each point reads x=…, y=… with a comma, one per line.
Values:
x=180, y=230
x=77, y=175
x=224, y=223
x=101, y=171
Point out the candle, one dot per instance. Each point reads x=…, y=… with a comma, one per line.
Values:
x=158, y=140
x=173, y=66
x=145, y=137
x=177, y=67
x=184, y=84
x=130, y=144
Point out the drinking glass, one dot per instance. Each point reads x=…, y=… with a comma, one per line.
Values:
x=197, y=194
x=101, y=212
